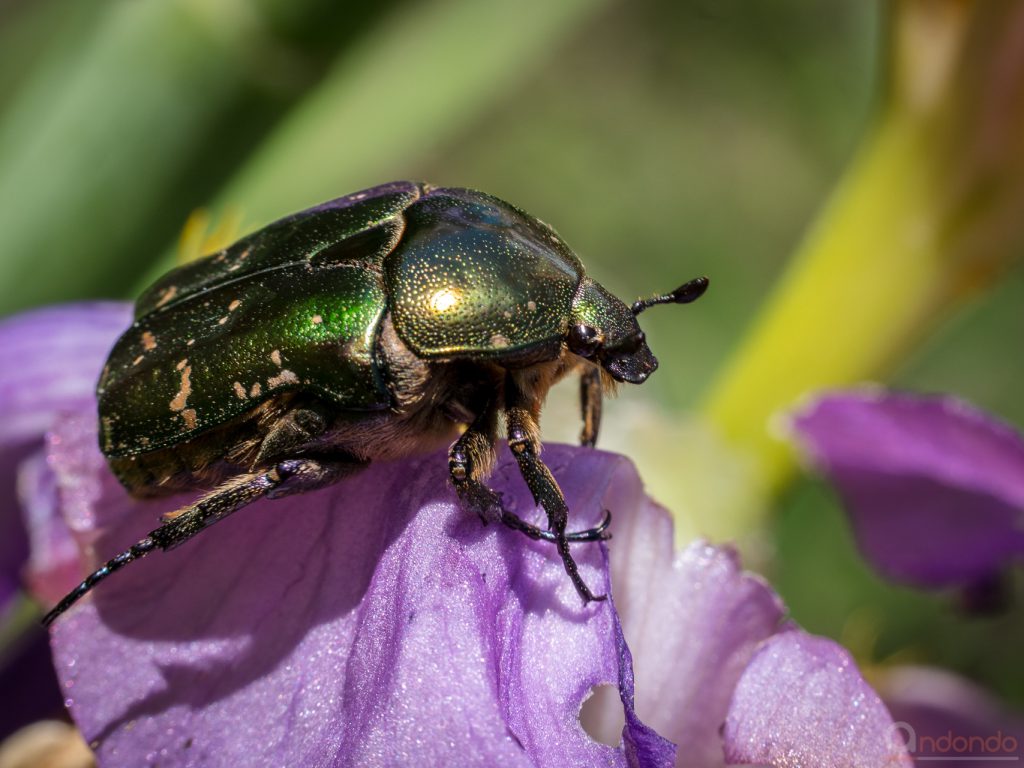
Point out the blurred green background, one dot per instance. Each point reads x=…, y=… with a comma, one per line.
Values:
x=663, y=139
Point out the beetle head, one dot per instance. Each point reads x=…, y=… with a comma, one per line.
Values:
x=603, y=329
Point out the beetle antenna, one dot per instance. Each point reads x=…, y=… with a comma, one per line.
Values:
x=137, y=551
x=684, y=294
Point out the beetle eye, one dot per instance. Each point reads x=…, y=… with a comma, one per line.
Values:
x=584, y=340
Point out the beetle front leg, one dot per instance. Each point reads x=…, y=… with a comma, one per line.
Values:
x=523, y=439
x=469, y=461
x=590, y=405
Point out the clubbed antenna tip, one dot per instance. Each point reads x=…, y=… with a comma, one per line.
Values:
x=684, y=294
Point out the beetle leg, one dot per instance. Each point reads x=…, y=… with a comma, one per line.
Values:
x=590, y=405
x=521, y=412
x=597, y=533
x=469, y=461
x=287, y=477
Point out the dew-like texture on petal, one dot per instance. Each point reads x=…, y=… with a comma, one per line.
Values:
x=934, y=487
x=48, y=496
x=370, y=623
x=802, y=703
x=945, y=718
x=694, y=619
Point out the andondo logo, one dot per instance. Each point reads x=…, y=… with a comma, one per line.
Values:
x=951, y=746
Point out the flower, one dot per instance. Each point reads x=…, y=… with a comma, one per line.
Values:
x=933, y=486
x=50, y=360
x=942, y=716
x=376, y=621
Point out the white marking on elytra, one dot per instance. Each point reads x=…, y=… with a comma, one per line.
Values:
x=148, y=341
x=498, y=341
x=239, y=259
x=275, y=357
x=234, y=305
x=166, y=295
x=256, y=390
x=108, y=425
x=317, y=319
x=239, y=390
x=138, y=359
x=180, y=401
x=285, y=377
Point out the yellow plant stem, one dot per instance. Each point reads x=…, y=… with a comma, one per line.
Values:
x=861, y=288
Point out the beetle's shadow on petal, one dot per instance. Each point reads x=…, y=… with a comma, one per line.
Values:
x=238, y=600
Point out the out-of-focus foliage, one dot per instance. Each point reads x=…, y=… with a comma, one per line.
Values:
x=929, y=215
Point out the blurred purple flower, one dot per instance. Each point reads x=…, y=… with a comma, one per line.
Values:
x=375, y=622
x=944, y=718
x=933, y=486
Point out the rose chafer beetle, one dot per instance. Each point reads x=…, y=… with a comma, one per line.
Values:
x=371, y=327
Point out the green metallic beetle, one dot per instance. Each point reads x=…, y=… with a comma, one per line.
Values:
x=371, y=327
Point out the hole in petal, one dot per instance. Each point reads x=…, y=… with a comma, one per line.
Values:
x=601, y=714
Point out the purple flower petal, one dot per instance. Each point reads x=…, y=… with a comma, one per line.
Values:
x=944, y=718
x=370, y=623
x=694, y=619
x=51, y=360
x=802, y=702
x=54, y=563
x=698, y=625
x=934, y=487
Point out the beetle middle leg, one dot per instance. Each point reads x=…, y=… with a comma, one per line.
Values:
x=590, y=405
x=521, y=412
x=469, y=461
x=287, y=477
